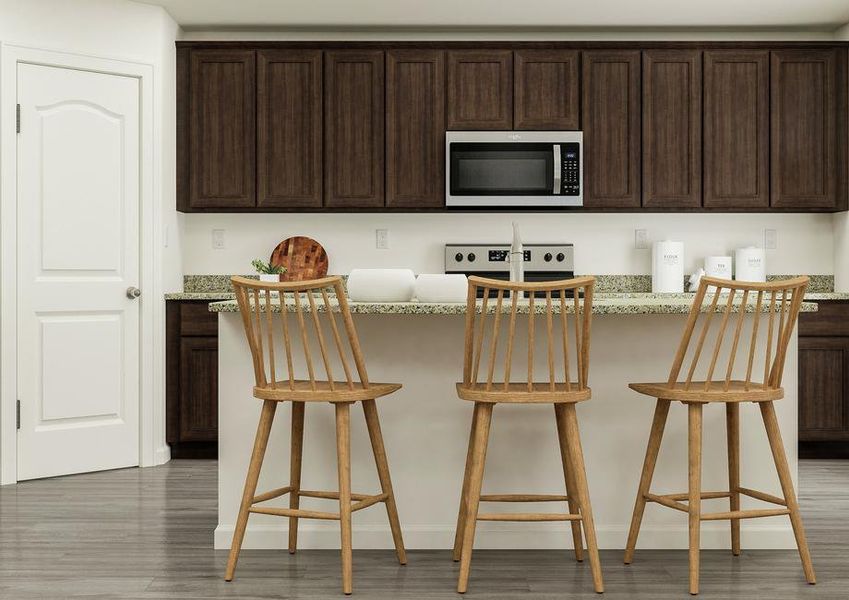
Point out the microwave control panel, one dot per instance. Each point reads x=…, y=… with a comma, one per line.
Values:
x=570, y=183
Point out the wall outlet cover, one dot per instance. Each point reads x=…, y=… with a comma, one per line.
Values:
x=381, y=239
x=641, y=239
x=770, y=239
x=218, y=239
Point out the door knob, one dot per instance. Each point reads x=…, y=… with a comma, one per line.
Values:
x=133, y=292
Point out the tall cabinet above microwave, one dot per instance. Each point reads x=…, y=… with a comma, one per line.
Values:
x=522, y=169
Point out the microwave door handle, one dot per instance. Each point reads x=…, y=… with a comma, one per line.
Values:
x=558, y=168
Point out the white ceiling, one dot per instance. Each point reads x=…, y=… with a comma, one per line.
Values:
x=568, y=14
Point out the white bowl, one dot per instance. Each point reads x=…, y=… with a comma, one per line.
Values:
x=381, y=285
x=441, y=288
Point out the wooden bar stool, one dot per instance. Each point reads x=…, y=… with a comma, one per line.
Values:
x=267, y=324
x=561, y=390
x=782, y=298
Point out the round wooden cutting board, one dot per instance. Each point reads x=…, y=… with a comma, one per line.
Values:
x=303, y=257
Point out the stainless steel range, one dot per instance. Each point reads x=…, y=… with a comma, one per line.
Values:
x=543, y=262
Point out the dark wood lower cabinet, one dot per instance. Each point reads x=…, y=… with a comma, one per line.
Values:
x=824, y=382
x=191, y=420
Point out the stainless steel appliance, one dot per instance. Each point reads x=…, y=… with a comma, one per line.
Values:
x=543, y=262
x=514, y=168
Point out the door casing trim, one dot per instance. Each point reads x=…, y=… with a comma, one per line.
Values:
x=153, y=449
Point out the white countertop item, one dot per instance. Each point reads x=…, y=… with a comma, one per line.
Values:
x=667, y=267
x=381, y=285
x=441, y=288
x=750, y=264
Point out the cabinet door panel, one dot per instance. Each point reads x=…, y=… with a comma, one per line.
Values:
x=289, y=128
x=415, y=128
x=353, y=129
x=823, y=388
x=223, y=129
x=672, y=132
x=736, y=122
x=803, y=129
x=611, y=117
x=480, y=89
x=198, y=389
x=545, y=89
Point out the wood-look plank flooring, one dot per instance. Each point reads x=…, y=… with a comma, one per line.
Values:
x=147, y=534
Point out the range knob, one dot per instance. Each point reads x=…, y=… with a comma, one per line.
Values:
x=561, y=257
x=471, y=257
x=458, y=257
x=547, y=257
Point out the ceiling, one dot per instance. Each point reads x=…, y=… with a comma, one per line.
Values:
x=548, y=14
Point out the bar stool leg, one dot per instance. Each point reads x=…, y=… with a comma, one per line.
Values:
x=694, y=417
x=343, y=455
x=376, y=437
x=571, y=488
x=295, y=460
x=777, y=446
x=661, y=412
x=732, y=420
x=576, y=454
x=260, y=443
x=473, y=495
x=461, y=513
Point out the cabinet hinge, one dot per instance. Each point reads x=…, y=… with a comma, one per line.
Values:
x=18, y=118
x=18, y=415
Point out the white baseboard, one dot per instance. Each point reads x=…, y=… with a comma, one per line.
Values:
x=161, y=455
x=272, y=537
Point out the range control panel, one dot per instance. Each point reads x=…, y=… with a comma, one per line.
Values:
x=570, y=183
x=475, y=258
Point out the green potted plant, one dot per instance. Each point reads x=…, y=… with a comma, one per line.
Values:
x=267, y=271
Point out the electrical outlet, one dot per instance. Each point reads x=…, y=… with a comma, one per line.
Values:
x=381, y=239
x=641, y=239
x=770, y=239
x=218, y=239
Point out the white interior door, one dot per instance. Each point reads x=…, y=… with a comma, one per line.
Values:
x=78, y=253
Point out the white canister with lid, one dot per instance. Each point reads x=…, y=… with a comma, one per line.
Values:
x=667, y=272
x=750, y=264
x=718, y=266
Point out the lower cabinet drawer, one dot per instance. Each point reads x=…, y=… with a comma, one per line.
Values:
x=832, y=319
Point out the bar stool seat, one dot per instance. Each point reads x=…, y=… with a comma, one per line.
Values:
x=518, y=393
x=738, y=391
x=322, y=391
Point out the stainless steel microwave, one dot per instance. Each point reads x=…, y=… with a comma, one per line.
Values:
x=514, y=168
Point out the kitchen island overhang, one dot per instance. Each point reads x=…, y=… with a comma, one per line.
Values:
x=426, y=431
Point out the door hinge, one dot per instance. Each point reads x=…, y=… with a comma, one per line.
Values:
x=18, y=118
x=18, y=415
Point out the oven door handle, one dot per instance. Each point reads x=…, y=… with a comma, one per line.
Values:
x=558, y=168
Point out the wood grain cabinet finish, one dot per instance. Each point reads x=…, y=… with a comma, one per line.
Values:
x=289, y=128
x=353, y=129
x=198, y=389
x=222, y=134
x=415, y=128
x=672, y=128
x=803, y=111
x=545, y=89
x=610, y=109
x=480, y=89
x=736, y=129
x=823, y=389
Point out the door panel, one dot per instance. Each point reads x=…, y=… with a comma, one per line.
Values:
x=611, y=117
x=823, y=382
x=736, y=121
x=415, y=128
x=198, y=389
x=545, y=84
x=480, y=89
x=78, y=206
x=353, y=129
x=289, y=128
x=672, y=128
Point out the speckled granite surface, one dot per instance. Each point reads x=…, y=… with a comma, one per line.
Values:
x=217, y=287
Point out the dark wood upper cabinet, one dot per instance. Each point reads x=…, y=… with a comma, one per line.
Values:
x=289, y=106
x=736, y=129
x=353, y=129
x=803, y=129
x=415, y=128
x=672, y=128
x=480, y=89
x=222, y=131
x=545, y=89
x=611, y=115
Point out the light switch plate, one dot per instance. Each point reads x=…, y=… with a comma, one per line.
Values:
x=641, y=239
x=381, y=239
x=770, y=239
x=218, y=239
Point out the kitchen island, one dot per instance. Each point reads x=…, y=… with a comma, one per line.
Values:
x=426, y=426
